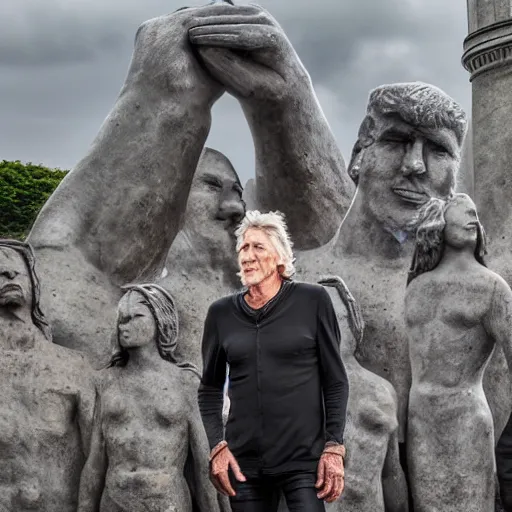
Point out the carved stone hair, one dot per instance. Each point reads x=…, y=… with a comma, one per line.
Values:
x=164, y=311
x=25, y=251
x=430, y=242
x=417, y=104
x=274, y=225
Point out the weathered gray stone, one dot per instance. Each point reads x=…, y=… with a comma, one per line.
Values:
x=113, y=218
x=201, y=265
x=399, y=161
x=46, y=401
x=488, y=57
x=299, y=168
x=456, y=311
x=374, y=479
x=148, y=448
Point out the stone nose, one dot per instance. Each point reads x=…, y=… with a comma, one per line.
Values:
x=413, y=161
x=231, y=207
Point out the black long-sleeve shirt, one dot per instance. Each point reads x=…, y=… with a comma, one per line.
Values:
x=287, y=384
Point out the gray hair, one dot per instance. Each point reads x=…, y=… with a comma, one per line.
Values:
x=417, y=104
x=274, y=225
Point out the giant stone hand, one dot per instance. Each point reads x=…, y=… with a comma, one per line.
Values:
x=247, y=51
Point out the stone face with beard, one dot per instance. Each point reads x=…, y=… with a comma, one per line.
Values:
x=47, y=398
x=201, y=265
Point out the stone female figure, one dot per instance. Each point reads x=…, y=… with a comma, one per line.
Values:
x=374, y=480
x=148, y=447
x=456, y=311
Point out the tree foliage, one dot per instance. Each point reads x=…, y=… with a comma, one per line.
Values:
x=24, y=188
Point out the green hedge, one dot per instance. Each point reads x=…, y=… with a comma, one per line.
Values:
x=24, y=188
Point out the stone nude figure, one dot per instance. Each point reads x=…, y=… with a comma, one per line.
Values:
x=374, y=479
x=456, y=312
x=46, y=397
x=149, y=451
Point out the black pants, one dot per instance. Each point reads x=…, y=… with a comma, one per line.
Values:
x=262, y=494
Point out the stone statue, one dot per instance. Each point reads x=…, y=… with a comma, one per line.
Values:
x=46, y=398
x=201, y=265
x=299, y=168
x=456, y=311
x=113, y=218
x=374, y=479
x=147, y=436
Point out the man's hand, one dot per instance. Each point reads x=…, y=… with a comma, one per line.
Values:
x=331, y=474
x=248, y=52
x=220, y=462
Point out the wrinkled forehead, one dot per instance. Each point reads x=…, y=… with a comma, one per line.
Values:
x=12, y=260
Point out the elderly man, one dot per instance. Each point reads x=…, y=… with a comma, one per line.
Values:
x=281, y=342
x=47, y=397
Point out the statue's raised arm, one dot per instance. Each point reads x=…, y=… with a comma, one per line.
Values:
x=299, y=168
x=113, y=218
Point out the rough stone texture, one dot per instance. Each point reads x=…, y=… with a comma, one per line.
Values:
x=466, y=175
x=456, y=311
x=46, y=401
x=488, y=57
x=299, y=168
x=374, y=479
x=397, y=168
x=148, y=436
x=113, y=218
x=201, y=265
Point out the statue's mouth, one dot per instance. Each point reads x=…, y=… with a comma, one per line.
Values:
x=411, y=196
x=9, y=288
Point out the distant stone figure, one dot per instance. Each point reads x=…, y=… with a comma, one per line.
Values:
x=149, y=449
x=46, y=397
x=374, y=479
x=201, y=265
x=456, y=311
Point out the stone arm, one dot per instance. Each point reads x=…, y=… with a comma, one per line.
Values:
x=128, y=194
x=394, y=485
x=498, y=320
x=299, y=167
x=204, y=492
x=92, y=479
x=86, y=406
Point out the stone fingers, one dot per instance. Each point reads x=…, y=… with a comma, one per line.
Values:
x=235, y=37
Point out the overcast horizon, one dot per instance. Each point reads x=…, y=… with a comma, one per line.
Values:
x=62, y=64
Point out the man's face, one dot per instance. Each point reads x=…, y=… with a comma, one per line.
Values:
x=15, y=284
x=135, y=322
x=257, y=258
x=404, y=167
x=215, y=205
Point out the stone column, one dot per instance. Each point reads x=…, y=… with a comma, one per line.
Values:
x=488, y=57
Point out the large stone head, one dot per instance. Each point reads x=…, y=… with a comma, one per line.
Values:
x=146, y=314
x=19, y=285
x=408, y=150
x=215, y=205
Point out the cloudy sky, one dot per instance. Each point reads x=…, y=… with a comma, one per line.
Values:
x=62, y=63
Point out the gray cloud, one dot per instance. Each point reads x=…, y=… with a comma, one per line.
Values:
x=63, y=63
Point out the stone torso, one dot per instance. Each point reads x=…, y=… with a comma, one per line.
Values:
x=379, y=291
x=44, y=390
x=145, y=426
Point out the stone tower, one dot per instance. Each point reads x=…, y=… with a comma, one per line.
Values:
x=488, y=57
